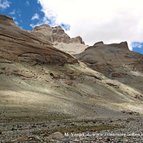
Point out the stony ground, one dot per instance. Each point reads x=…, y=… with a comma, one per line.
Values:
x=128, y=130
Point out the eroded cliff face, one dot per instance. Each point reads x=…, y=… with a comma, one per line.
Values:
x=19, y=45
x=115, y=61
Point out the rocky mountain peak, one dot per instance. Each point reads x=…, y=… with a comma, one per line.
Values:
x=59, y=31
x=98, y=43
x=56, y=34
x=123, y=45
x=58, y=28
x=113, y=60
x=41, y=27
x=78, y=39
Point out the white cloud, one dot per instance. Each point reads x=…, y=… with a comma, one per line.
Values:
x=34, y=25
x=15, y=20
x=12, y=12
x=94, y=20
x=41, y=21
x=35, y=16
x=27, y=3
x=137, y=45
x=4, y=4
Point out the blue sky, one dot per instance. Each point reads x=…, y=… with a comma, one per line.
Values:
x=22, y=11
x=91, y=23
x=27, y=13
x=137, y=47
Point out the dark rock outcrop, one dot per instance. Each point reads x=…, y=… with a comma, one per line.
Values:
x=98, y=43
x=120, y=45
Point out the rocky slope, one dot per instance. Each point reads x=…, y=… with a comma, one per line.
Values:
x=55, y=34
x=115, y=61
x=20, y=45
x=59, y=39
x=52, y=79
x=41, y=83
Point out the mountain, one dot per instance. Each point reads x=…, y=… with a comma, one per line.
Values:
x=55, y=34
x=59, y=39
x=40, y=83
x=116, y=62
x=20, y=45
x=32, y=69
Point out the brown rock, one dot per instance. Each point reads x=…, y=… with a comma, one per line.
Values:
x=55, y=34
x=77, y=39
x=98, y=43
x=7, y=20
x=115, y=61
x=120, y=45
x=56, y=136
x=19, y=45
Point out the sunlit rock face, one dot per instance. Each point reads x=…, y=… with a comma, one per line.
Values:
x=60, y=39
x=56, y=34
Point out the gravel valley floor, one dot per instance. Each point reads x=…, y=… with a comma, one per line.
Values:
x=127, y=130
